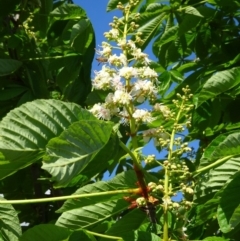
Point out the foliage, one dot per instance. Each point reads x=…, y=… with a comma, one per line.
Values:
x=59, y=136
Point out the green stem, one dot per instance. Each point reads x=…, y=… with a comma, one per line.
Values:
x=167, y=178
x=212, y=165
x=130, y=153
x=51, y=57
x=103, y=235
x=53, y=199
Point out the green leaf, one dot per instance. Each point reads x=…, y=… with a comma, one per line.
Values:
x=128, y=222
x=230, y=146
x=81, y=235
x=71, y=152
x=192, y=11
x=165, y=81
x=90, y=211
x=82, y=35
x=229, y=208
x=11, y=91
x=140, y=236
x=214, y=238
x=9, y=66
x=121, y=181
x=149, y=29
x=189, y=21
x=69, y=73
x=10, y=227
x=211, y=182
x=206, y=211
x=90, y=216
x=26, y=130
x=46, y=232
x=68, y=11
x=168, y=35
x=219, y=83
x=206, y=158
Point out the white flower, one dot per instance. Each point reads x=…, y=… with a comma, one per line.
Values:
x=106, y=50
x=139, y=55
x=155, y=134
x=116, y=83
x=142, y=116
x=147, y=73
x=142, y=89
x=114, y=32
x=124, y=116
x=117, y=60
x=128, y=72
x=101, y=112
x=122, y=97
x=166, y=201
x=121, y=43
x=131, y=44
x=163, y=109
x=102, y=79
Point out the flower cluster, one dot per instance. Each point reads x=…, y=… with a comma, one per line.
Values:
x=127, y=86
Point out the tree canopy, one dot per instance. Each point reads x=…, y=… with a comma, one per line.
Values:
x=62, y=129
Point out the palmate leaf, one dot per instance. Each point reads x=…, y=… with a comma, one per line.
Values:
x=221, y=147
x=47, y=232
x=206, y=211
x=140, y=236
x=68, y=11
x=9, y=66
x=10, y=229
x=228, y=212
x=211, y=182
x=130, y=221
x=149, y=29
x=44, y=232
x=82, y=35
x=26, y=130
x=89, y=216
x=230, y=146
x=207, y=155
x=71, y=152
x=214, y=238
x=87, y=212
x=219, y=83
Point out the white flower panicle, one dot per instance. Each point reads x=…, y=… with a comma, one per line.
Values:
x=127, y=85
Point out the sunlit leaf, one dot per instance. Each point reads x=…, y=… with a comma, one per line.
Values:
x=90, y=211
x=10, y=227
x=219, y=83
x=229, y=208
x=68, y=11
x=26, y=130
x=212, y=181
x=71, y=152
x=43, y=232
